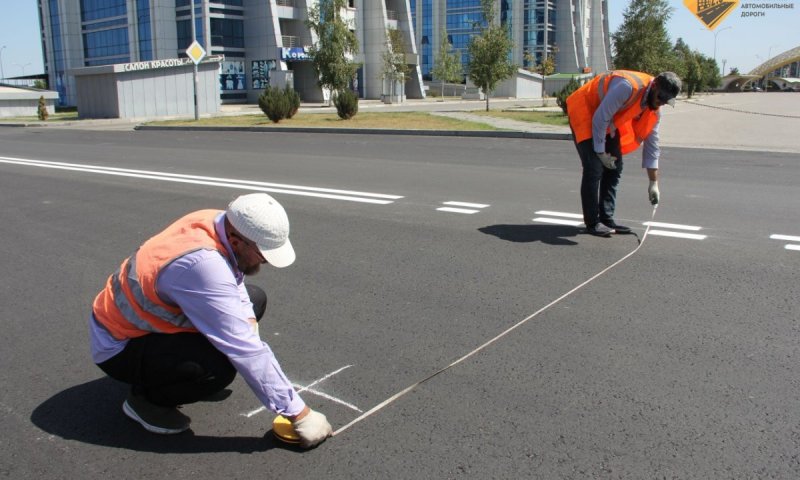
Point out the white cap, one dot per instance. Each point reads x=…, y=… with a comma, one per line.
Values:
x=261, y=219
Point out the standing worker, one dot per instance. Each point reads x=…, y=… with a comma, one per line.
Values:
x=610, y=116
x=176, y=321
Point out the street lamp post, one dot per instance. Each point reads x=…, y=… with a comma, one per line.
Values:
x=22, y=67
x=715, y=46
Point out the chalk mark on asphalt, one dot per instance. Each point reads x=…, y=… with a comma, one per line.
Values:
x=307, y=388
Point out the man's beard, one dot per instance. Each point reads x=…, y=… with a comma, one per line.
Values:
x=251, y=270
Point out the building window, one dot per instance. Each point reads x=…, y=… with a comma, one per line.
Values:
x=227, y=32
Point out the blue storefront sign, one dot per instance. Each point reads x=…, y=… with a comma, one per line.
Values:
x=296, y=54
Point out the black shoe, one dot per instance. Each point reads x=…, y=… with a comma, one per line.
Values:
x=620, y=229
x=599, y=230
x=155, y=418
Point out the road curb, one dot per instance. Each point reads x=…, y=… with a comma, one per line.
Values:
x=371, y=131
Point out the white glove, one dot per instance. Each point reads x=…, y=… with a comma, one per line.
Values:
x=313, y=429
x=652, y=191
x=608, y=161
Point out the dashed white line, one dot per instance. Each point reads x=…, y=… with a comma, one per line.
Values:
x=559, y=214
x=672, y=225
x=454, y=207
x=792, y=247
x=466, y=204
x=666, y=233
x=558, y=221
x=457, y=210
x=788, y=238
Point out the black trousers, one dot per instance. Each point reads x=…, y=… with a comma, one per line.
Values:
x=178, y=368
x=598, y=183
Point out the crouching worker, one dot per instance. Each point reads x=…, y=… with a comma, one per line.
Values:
x=177, y=321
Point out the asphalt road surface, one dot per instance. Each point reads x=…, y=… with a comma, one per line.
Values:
x=679, y=362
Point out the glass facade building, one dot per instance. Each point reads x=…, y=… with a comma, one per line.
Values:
x=262, y=41
x=574, y=32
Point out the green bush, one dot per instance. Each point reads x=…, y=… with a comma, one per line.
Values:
x=346, y=103
x=294, y=101
x=561, y=97
x=275, y=104
x=42, y=110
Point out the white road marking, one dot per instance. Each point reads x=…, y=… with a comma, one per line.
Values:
x=347, y=195
x=792, y=247
x=666, y=233
x=788, y=238
x=467, y=204
x=672, y=225
x=457, y=210
x=558, y=221
x=308, y=389
x=559, y=214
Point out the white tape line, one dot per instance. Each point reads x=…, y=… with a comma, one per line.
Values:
x=399, y=394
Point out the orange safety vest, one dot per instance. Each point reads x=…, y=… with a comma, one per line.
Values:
x=634, y=121
x=129, y=305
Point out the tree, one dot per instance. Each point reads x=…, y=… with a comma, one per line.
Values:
x=447, y=66
x=394, y=57
x=335, y=45
x=734, y=71
x=544, y=68
x=642, y=42
x=488, y=53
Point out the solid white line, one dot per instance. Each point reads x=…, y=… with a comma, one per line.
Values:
x=666, y=233
x=792, y=247
x=672, y=225
x=466, y=204
x=788, y=238
x=559, y=214
x=457, y=210
x=558, y=221
x=211, y=181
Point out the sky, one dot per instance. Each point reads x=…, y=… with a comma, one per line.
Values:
x=743, y=42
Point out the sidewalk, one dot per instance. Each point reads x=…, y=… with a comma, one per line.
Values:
x=763, y=122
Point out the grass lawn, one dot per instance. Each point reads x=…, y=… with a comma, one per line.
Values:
x=549, y=118
x=396, y=120
x=53, y=117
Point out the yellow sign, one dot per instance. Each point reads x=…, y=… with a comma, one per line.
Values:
x=196, y=52
x=711, y=12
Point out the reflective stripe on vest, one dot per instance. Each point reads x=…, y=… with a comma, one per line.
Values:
x=635, y=81
x=127, y=310
x=129, y=306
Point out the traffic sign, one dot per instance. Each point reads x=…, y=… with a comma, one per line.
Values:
x=196, y=52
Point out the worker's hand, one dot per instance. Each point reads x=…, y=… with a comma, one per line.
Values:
x=313, y=428
x=608, y=161
x=652, y=191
